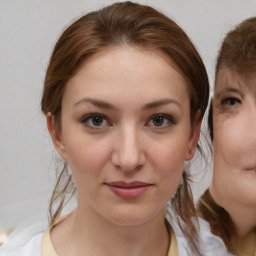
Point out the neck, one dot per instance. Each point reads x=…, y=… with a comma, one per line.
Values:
x=243, y=216
x=93, y=234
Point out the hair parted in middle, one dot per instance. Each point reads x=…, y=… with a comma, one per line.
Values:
x=134, y=25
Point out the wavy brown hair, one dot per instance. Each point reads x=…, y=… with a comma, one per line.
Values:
x=130, y=24
x=237, y=54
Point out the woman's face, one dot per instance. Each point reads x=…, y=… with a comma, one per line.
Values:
x=126, y=133
x=234, y=129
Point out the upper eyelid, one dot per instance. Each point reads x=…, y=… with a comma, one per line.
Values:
x=228, y=93
x=167, y=116
x=88, y=116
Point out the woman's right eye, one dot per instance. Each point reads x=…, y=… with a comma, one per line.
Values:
x=95, y=121
x=231, y=101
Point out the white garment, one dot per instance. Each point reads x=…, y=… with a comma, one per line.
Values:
x=28, y=241
x=25, y=241
x=209, y=244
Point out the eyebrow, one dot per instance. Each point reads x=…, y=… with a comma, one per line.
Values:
x=103, y=104
x=95, y=102
x=162, y=102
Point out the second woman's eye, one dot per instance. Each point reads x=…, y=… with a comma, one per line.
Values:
x=161, y=121
x=230, y=101
x=95, y=121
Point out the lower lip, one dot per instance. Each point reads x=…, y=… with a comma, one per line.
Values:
x=129, y=193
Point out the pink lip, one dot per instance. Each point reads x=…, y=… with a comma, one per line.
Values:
x=129, y=190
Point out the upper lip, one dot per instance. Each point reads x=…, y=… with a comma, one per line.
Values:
x=123, y=184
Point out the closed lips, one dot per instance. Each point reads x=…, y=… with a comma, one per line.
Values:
x=122, y=184
x=129, y=190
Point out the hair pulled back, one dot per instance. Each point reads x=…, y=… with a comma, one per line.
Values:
x=130, y=24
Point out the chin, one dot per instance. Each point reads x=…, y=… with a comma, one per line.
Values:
x=132, y=217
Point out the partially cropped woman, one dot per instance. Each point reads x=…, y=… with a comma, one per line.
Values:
x=230, y=203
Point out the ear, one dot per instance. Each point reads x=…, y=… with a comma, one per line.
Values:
x=57, y=137
x=194, y=136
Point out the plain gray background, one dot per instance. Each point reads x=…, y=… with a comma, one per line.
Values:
x=28, y=31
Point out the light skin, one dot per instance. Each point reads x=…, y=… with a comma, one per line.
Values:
x=234, y=128
x=125, y=117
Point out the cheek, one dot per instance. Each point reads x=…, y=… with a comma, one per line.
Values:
x=230, y=141
x=168, y=161
x=87, y=156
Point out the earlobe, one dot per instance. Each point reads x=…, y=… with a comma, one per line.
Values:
x=194, y=137
x=56, y=136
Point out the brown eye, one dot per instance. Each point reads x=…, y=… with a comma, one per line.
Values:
x=97, y=120
x=161, y=121
x=158, y=120
x=232, y=101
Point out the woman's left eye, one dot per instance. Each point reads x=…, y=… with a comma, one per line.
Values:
x=95, y=121
x=161, y=121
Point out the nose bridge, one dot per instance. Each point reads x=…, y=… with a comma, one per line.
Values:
x=128, y=152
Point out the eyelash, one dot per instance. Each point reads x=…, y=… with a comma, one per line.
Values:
x=164, y=117
x=228, y=100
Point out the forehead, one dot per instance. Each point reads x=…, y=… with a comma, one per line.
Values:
x=128, y=70
x=137, y=51
x=226, y=77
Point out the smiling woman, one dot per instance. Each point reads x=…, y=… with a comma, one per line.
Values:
x=124, y=96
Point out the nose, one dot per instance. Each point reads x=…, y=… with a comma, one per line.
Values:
x=128, y=154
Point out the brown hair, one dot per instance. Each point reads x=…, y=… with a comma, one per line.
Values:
x=219, y=220
x=237, y=54
x=132, y=24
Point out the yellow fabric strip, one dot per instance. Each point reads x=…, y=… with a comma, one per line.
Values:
x=173, y=250
x=47, y=246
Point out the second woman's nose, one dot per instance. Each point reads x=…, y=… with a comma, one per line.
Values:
x=128, y=152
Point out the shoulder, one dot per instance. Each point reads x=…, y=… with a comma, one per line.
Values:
x=25, y=241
